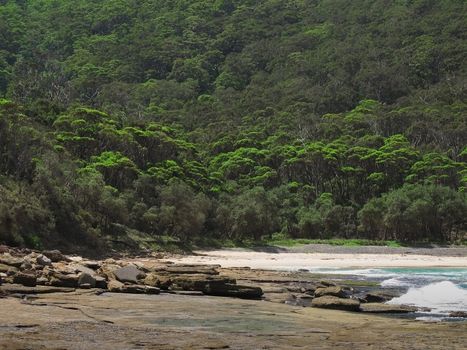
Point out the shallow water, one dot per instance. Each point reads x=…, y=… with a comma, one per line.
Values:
x=442, y=290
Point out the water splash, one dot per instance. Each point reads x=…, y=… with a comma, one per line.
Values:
x=440, y=297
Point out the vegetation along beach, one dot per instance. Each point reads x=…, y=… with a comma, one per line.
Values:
x=233, y=174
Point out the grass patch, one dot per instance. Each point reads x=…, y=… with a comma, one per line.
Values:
x=292, y=242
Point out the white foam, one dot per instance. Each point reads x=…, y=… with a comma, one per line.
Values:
x=440, y=297
x=395, y=282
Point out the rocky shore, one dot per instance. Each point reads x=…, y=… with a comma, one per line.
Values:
x=66, y=284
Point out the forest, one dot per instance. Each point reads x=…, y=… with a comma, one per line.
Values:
x=196, y=121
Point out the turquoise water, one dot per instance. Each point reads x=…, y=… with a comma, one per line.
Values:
x=442, y=290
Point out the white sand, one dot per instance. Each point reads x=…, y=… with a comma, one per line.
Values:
x=287, y=261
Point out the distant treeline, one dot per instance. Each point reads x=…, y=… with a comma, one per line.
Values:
x=226, y=119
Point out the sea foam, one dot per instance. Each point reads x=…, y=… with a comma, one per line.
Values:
x=440, y=297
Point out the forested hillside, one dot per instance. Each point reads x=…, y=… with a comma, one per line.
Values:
x=194, y=120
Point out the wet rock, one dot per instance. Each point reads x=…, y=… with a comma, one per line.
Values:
x=304, y=300
x=462, y=314
x=7, y=259
x=332, y=302
x=55, y=255
x=233, y=290
x=25, y=279
x=129, y=273
x=379, y=296
x=333, y=291
x=386, y=308
x=85, y=280
x=43, y=260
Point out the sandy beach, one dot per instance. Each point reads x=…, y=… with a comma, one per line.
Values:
x=283, y=259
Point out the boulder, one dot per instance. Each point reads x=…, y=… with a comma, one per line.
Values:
x=107, y=270
x=55, y=255
x=333, y=291
x=462, y=314
x=77, y=268
x=86, y=279
x=161, y=281
x=233, y=290
x=43, y=260
x=332, y=302
x=386, y=308
x=7, y=259
x=100, y=282
x=115, y=286
x=25, y=279
x=129, y=273
x=63, y=280
x=4, y=249
x=379, y=296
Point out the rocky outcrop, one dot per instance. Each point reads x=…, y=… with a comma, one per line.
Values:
x=386, y=308
x=333, y=291
x=332, y=302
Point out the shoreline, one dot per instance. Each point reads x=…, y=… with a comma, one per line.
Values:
x=284, y=259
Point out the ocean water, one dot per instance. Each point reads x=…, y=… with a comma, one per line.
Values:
x=441, y=290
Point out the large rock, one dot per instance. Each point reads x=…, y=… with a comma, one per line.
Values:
x=62, y=280
x=86, y=279
x=55, y=255
x=386, y=308
x=7, y=259
x=25, y=279
x=100, y=282
x=233, y=290
x=115, y=286
x=43, y=260
x=462, y=314
x=333, y=291
x=332, y=302
x=161, y=281
x=129, y=273
x=380, y=296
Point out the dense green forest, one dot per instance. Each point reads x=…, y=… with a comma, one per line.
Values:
x=199, y=120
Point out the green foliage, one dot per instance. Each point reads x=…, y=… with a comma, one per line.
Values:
x=232, y=120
